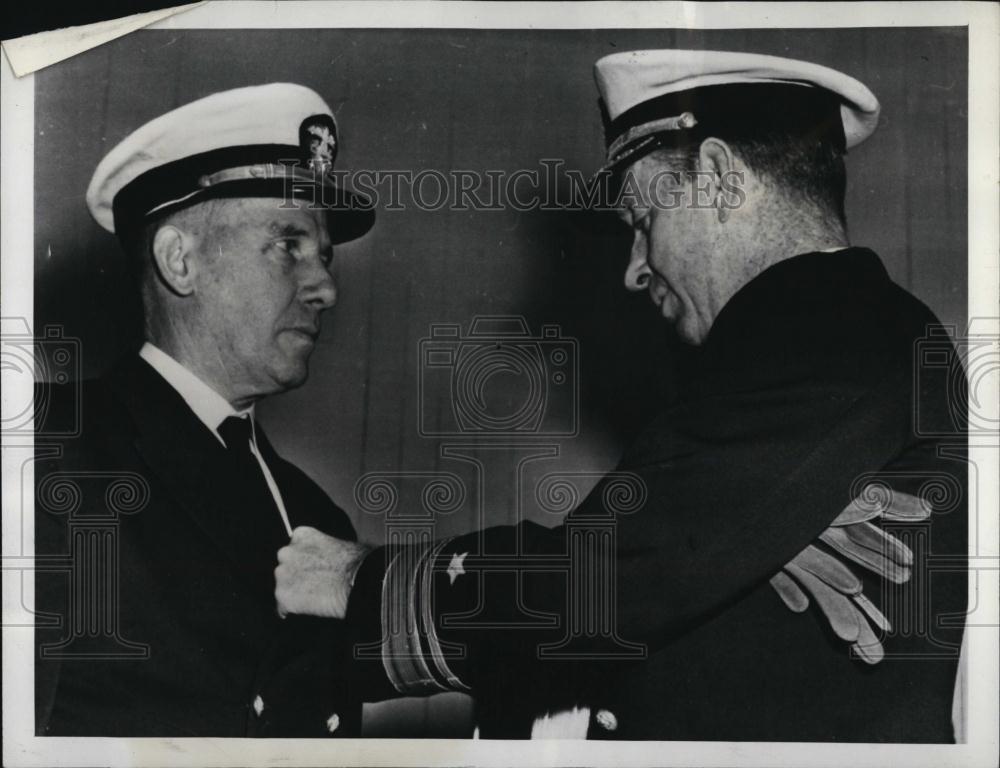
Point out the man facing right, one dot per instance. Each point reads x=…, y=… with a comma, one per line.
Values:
x=804, y=393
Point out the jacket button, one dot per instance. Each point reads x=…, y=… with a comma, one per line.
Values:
x=333, y=722
x=607, y=720
x=258, y=705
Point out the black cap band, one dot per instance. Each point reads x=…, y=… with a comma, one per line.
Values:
x=273, y=170
x=732, y=111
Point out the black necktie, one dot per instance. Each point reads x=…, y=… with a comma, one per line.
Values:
x=258, y=525
x=237, y=433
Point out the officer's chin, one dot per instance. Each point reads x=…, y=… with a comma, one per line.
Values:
x=688, y=332
x=292, y=372
x=298, y=376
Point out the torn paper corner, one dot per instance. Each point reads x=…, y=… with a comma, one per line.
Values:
x=33, y=52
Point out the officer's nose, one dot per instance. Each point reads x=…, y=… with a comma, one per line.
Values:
x=637, y=273
x=318, y=287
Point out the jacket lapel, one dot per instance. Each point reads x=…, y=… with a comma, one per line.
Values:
x=186, y=456
x=305, y=503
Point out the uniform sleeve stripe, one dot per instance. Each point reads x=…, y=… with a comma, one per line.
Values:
x=428, y=624
x=422, y=592
x=402, y=656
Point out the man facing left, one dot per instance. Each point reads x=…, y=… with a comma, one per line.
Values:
x=158, y=524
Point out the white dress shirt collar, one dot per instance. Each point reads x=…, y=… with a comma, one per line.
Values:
x=208, y=405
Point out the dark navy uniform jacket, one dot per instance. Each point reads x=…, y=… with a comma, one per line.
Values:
x=806, y=391
x=156, y=585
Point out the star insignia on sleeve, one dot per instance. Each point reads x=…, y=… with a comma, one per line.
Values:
x=455, y=568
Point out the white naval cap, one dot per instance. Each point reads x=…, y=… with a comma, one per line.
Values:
x=265, y=140
x=673, y=97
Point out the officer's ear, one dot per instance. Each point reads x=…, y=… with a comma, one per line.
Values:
x=719, y=175
x=173, y=255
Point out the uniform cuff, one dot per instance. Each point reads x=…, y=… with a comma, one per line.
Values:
x=412, y=654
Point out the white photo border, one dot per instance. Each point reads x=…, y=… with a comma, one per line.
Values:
x=22, y=748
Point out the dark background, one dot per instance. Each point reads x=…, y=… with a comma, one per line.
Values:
x=476, y=100
x=17, y=19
